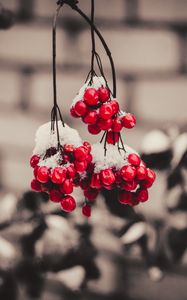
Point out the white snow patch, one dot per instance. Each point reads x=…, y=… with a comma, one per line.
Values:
x=72, y=278
x=154, y=142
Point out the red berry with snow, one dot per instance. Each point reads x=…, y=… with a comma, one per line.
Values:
x=94, y=129
x=128, y=173
x=129, y=185
x=88, y=146
x=90, y=118
x=68, y=204
x=36, y=185
x=112, y=137
x=104, y=94
x=81, y=166
x=34, y=161
x=141, y=173
x=55, y=195
x=58, y=175
x=115, y=106
x=128, y=121
x=105, y=111
x=107, y=177
x=69, y=148
x=104, y=124
x=134, y=159
x=81, y=153
x=125, y=197
x=91, y=96
x=95, y=181
x=80, y=108
x=43, y=174
x=86, y=210
x=70, y=173
x=67, y=187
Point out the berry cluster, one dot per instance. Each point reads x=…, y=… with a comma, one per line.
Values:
x=60, y=180
x=100, y=112
x=132, y=180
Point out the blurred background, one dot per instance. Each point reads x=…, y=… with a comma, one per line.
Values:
x=118, y=254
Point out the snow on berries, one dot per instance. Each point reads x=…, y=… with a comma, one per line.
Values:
x=96, y=107
x=57, y=168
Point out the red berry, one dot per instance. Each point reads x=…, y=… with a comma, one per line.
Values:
x=91, y=96
x=68, y=204
x=116, y=126
x=125, y=197
x=81, y=153
x=36, y=185
x=128, y=173
x=69, y=148
x=94, y=129
x=142, y=195
x=66, y=158
x=55, y=196
x=118, y=177
x=91, y=194
x=58, y=175
x=80, y=108
x=73, y=113
x=129, y=185
x=104, y=124
x=35, y=171
x=95, y=181
x=134, y=159
x=90, y=118
x=86, y=210
x=89, y=158
x=70, y=172
x=43, y=174
x=105, y=111
x=107, y=177
x=81, y=166
x=109, y=187
x=112, y=137
x=128, y=121
x=141, y=173
x=88, y=146
x=67, y=187
x=115, y=106
x=151, y=176
x=34, y=161
x=104, y=94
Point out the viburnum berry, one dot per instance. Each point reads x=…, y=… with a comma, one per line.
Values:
x=104, y=124
x=142, y=195
x=80, y=108
x=70, y=173
x=128, y=121
x=34, y=161
x=107, y=177
x=68, y=203
x=115, y=106
x=81, y=153
x=66, y=158
x=95, y=181
x=112, y=137
x=35, y=171
x=36, y=185
x=55, y=195
x=134, y=159
x=104, y=94
x=88, y=146
x=81, y=166
x=151, y=175
x=118, y=177
x=141, y=173
x=106, y=111
x=90, y=118
x=43, y=174
x=69, y=148
x=58, y=175
x=67, y=187
x=91, y=194
x=128, y=173
x=73, y=113
x=94, y=129
x=117, y=125
x=86, y=210
x=91, y=96
x=125, y=197
x=89, y=158
x=129, y=185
